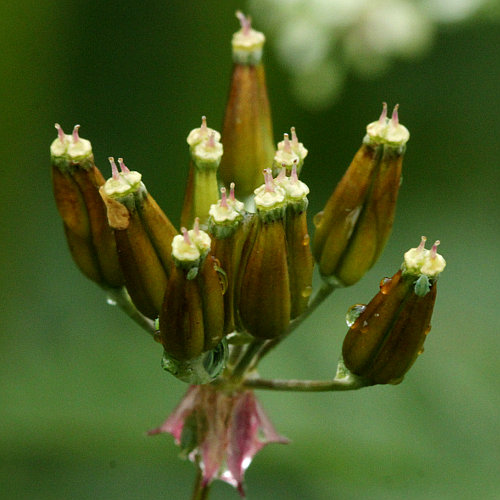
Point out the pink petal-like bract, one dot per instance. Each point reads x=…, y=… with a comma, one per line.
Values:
x=230, y=429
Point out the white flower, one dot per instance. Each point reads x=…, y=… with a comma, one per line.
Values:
x=320, y=41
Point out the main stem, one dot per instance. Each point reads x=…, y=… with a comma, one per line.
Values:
x=200, y=491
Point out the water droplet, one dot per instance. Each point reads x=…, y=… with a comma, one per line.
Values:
x=318, y=218
x=111, y=301
x=353, y=314
x=306, y=292
x=305, y=240
x=385, y=285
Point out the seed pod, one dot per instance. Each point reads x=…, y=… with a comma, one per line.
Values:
x=300, y=260
x=192, y=314
x=211, y=292
x=83, y=253
x=143, y=234
x=159, y=228
x=247, y=133
x=336, y=223
x=228, y=226
x=76, y=181
x=264, y=290
x=352, y=230
x=388, y=335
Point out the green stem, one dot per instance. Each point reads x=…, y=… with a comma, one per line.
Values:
x=321, y=294
x=123, y=301
x=234, y=354
x=200, y=491
x=343, y=384
x=246, y=360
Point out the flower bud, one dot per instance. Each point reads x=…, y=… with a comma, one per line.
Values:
x=290, y=153
x=299, y=256
x=356, y=222
x=388, y=334
x=76, y=181
x=263, y=294
x=202, y=188
x=143, y=236
x=247, y=131
x=192, y=313
x=228, y=224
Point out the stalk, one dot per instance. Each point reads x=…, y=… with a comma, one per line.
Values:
x=200, y=491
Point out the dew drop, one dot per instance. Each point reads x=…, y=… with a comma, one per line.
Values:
x=317, y=219
x=110, y=301
x=305, y=240
x=353, y=314
x=385, y=285
x=306, y=292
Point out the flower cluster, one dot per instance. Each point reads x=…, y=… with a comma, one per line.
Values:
x=321, y=42
x=237, y=276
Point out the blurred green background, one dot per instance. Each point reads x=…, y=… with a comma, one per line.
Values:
x=80, y=383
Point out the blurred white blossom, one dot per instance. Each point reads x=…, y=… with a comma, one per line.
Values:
x=321, y=41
